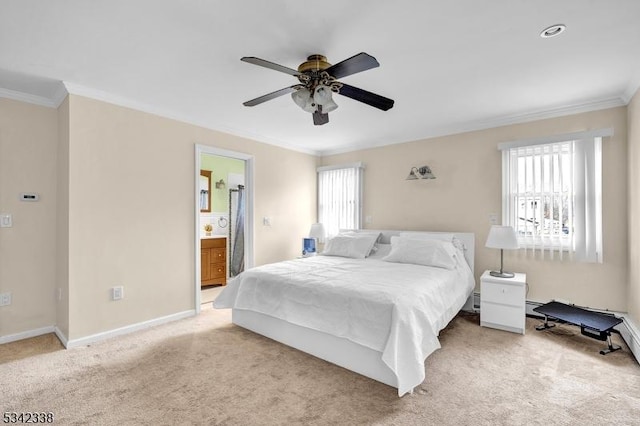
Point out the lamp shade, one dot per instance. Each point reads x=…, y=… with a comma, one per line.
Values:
x=426, y=173
x=317, y=231
x=412, y=174
x=322, y=96
x=302, y=98
x=502, y=237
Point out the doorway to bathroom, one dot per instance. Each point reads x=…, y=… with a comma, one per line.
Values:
x=224, y=219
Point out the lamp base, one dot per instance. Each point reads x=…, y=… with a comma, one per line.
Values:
x=501, y=274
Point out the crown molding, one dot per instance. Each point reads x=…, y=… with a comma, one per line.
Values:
x=66, y=88
x=60, y=95
x=632, y=89
x=27, y=97
x=87, y=92
x=494, y=123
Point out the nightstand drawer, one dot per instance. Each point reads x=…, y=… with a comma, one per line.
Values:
x=504, y=317
x=505, y=294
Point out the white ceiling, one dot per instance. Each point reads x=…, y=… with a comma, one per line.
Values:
x=450, y=66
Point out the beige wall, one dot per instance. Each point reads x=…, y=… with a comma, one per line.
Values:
x=62, y=221
x=134, y=226
x=106, y=219
x=468, y=189
x=93, y=229
x=28, y=145
x=633, y=114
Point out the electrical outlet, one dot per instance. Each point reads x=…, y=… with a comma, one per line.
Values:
x=493, y=219
x=5, y=299
x=6, y=221
x=117, y=293
x=266, y=221
x=368, y=219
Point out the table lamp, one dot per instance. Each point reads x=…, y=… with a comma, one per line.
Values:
x=503, y=238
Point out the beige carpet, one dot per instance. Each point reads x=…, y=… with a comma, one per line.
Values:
x=208, y=294
x=204, y=370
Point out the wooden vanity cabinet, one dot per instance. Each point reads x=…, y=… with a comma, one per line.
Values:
x=213, y=261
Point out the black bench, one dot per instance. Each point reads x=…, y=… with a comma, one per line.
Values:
x=592, y=324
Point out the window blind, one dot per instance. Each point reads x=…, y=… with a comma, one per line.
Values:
x=552, y=196
x=339, y=197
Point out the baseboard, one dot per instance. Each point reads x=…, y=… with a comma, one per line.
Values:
x=631, y=335
x=26, y=334
x=629, y=331
x=63, y=339
x=87, y=340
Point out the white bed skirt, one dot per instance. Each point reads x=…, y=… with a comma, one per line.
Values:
x=335, y=350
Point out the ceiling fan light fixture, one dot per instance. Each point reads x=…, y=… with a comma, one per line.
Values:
x=302, y=97
x=323, y=96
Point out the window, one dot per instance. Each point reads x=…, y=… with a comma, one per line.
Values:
x=552, y=193
x=339, y=197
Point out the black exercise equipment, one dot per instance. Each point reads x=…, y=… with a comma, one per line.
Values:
x=592, y=324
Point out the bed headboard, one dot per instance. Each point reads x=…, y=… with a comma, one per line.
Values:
x=467, y=238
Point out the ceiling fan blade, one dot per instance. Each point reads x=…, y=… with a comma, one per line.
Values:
x=355, y=64
x=368, y=98
x=269, y=96
x=320, y=118
x=261, y=62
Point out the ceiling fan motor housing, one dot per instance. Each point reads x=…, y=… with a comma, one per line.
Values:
x=314, y=63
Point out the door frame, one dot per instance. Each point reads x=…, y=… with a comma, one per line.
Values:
x=249, y=222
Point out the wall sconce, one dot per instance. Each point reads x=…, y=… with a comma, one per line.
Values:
x=220, y=184
x=423, y=172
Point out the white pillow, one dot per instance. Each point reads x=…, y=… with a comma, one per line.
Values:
x=354, y=245
x=443, y=236
x=427, y=252
x=361, y=232
x=380, y=250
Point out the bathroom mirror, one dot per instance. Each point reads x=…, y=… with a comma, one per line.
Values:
x=205, y=190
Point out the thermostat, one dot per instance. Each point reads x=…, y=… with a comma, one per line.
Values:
x=29, y=196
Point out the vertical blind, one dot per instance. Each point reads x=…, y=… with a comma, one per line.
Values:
x=339, y=197
x=552, y=195
x=540, y=196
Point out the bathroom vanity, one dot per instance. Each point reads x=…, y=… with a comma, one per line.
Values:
x=213, y=260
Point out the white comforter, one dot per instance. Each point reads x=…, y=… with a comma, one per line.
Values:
x=397, y=309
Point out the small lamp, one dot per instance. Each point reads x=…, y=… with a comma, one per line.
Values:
x=317, y=231
x=503, y=238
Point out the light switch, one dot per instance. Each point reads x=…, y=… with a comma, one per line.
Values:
x=6, y=221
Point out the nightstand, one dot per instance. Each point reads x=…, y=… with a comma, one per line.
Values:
x=502, y=302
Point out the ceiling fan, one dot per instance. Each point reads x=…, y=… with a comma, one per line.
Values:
x=319, y=80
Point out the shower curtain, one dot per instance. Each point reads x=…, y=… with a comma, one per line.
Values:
x=236, y=230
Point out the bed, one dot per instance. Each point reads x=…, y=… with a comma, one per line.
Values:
x=378, y=316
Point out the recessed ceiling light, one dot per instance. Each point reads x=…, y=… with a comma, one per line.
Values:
x=553, y=31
